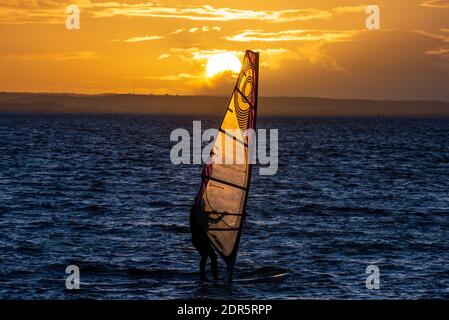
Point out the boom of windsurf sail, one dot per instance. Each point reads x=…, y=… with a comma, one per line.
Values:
x=224, y=189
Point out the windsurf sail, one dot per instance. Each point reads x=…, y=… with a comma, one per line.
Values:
x=225, y=184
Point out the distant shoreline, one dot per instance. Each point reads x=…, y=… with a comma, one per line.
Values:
x=214, y=105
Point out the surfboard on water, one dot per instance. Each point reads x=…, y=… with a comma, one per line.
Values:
x=275, y=278
x=268, y=278
x=225, y=184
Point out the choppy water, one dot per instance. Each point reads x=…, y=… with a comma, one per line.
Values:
x=100, y=192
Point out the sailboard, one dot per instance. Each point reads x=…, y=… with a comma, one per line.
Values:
x=225, y=184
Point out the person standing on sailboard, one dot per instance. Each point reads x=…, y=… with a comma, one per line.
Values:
x=201, y=242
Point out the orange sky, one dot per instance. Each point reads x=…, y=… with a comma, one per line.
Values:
x=308, y=48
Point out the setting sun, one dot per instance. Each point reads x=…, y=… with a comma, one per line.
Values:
x=221, y=62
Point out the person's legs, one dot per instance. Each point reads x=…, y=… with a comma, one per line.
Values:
x=203, y=267
x=230, y=269
x=206, y=250
x=199, y=247
x=213, y=262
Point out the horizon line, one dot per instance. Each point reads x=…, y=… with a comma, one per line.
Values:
x=209, y=96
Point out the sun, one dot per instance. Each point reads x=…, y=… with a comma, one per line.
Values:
x=221, y=62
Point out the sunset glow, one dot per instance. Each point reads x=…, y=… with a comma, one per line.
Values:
x=307, y=48
x=221, y=62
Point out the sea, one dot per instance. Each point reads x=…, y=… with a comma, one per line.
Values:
x=358, y=209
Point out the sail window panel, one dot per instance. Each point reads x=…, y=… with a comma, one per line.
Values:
x=223, y=241
x=227, y=150
x=223, y=221
x=232, y=173
x=221, y=197
x=230, y=160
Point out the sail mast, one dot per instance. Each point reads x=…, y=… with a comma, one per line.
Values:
x=256, y=89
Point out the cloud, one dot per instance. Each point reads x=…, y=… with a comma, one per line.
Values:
x=196, y=30
x=26, y=3
x=36, y=11
x=198, y=82
x=163, y=56
x=271, y=58
x=220, y=84
x=25, y=15
x=56, y=56
x=443, y=4
x=440, y=52
x=195, y=54
x=188, y=83
x=350, y=9
x=379, y=65
x=177, y=77
x=21, y=11
x=178, y=31
x=293, y=35
x=207, y=29
x=144, y=38
x=442, y=35
x=206, y=13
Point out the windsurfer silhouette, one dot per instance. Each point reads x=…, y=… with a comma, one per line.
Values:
x=218, y=215
x=201, y=242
